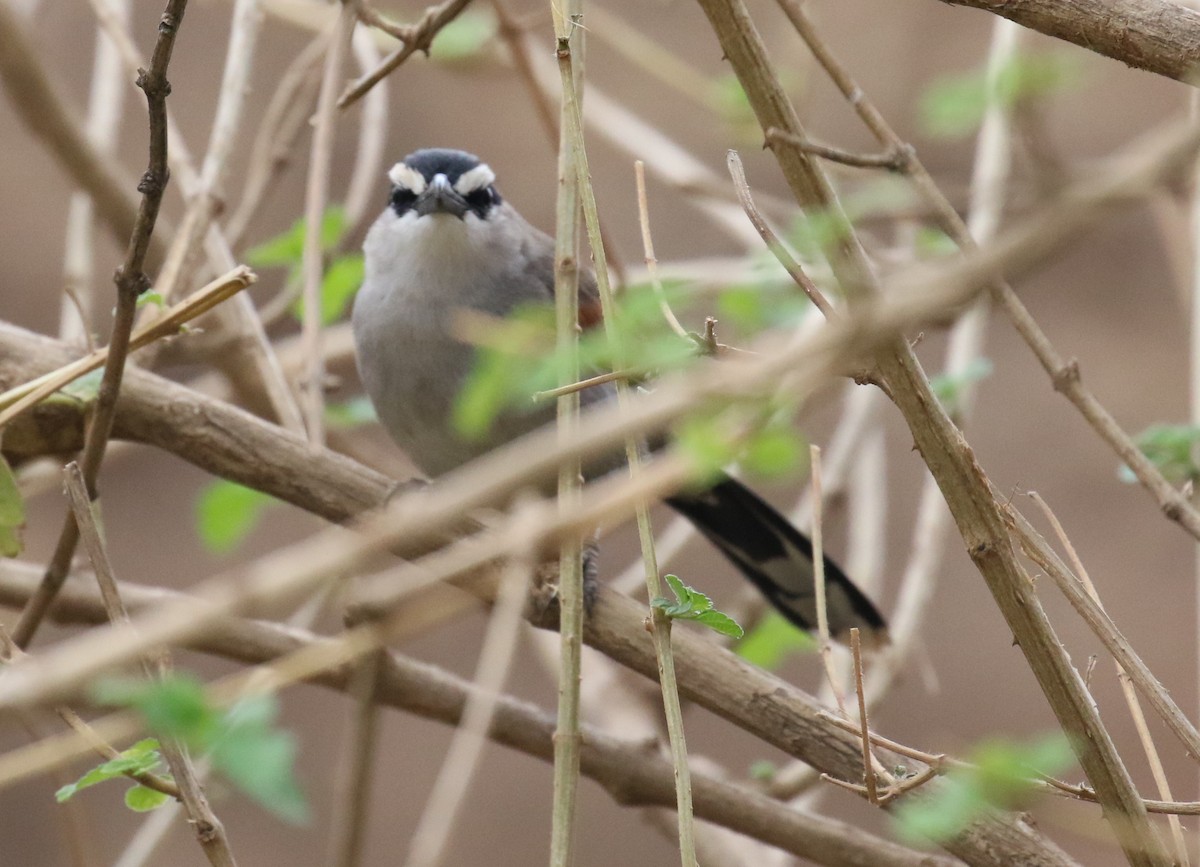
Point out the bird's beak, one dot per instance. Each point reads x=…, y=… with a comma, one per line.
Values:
x=440, y=198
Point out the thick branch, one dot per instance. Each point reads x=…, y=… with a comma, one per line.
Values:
x=1154, y=35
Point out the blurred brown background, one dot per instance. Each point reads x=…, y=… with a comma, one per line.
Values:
x=1112, y=300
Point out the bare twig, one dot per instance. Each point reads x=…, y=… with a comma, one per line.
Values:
x=131, y=282
x=210, y=832
x=361, y=742
x=33, y=96
x=1131, y=699
x=742, y=188
x=567, y=739
x=316, y=197
x=892, y=160
x=417, y=38
x=462, y=759
x=639, y=172
x=864, y=724
x=818, y=560
x=105, y=104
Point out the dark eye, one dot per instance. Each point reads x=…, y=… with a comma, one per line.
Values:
x=480, y=200
x=402, y=199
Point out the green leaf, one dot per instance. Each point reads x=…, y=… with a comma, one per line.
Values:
x=287, y=248
x=763, y=770
x=464, y=38
x=954, y=106
x=1002, y=777
x=142, y=799
x=774, y=451
x=948, y=387
x=691, y=604
x=12, y=512
x=227, y=512
x=82, y=389
x=718, y=621
x=354, y=412
x=1169, y=447
x=772, y=641
x=260, y=759
x=142, y=757
x=703, y=442
x=151, y=298
x=176, y=706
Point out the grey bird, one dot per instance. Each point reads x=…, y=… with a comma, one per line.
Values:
x=448, y=241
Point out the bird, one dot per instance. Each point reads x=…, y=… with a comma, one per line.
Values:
x=447, y=242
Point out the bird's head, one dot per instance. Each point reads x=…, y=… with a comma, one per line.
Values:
x=442, y=181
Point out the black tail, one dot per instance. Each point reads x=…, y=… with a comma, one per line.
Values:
x=778, y=559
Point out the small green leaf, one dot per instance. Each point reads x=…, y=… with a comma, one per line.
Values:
x=142, y=799
x=354, y=412
x=142, y=757
x=763, y=770
x=691, y=604
x=227, y=512
x=720, y=622
x=464, y=38
x=81, y=390
x=176, y=706
x=1169, y=447
x=774, y=451
x=772, y=641
x=704, y=443
x=154, y=298
x=12, y=512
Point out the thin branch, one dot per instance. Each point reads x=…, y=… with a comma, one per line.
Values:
x=316, y=198
x=347, y=840
x=742, y=188
x=571, y=576
x=864, y=724
x=210, y=832
x=660, y=622
x=893, y=160
x=131, y=282
x=418, y=38
x=106, y=102
x=1127, y=688
x=445, y=802
x=639, y=172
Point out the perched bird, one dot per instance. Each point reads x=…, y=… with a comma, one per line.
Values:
x=449, y=241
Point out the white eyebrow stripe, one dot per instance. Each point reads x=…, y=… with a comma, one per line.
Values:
x=404, y=176
x=476, y=179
